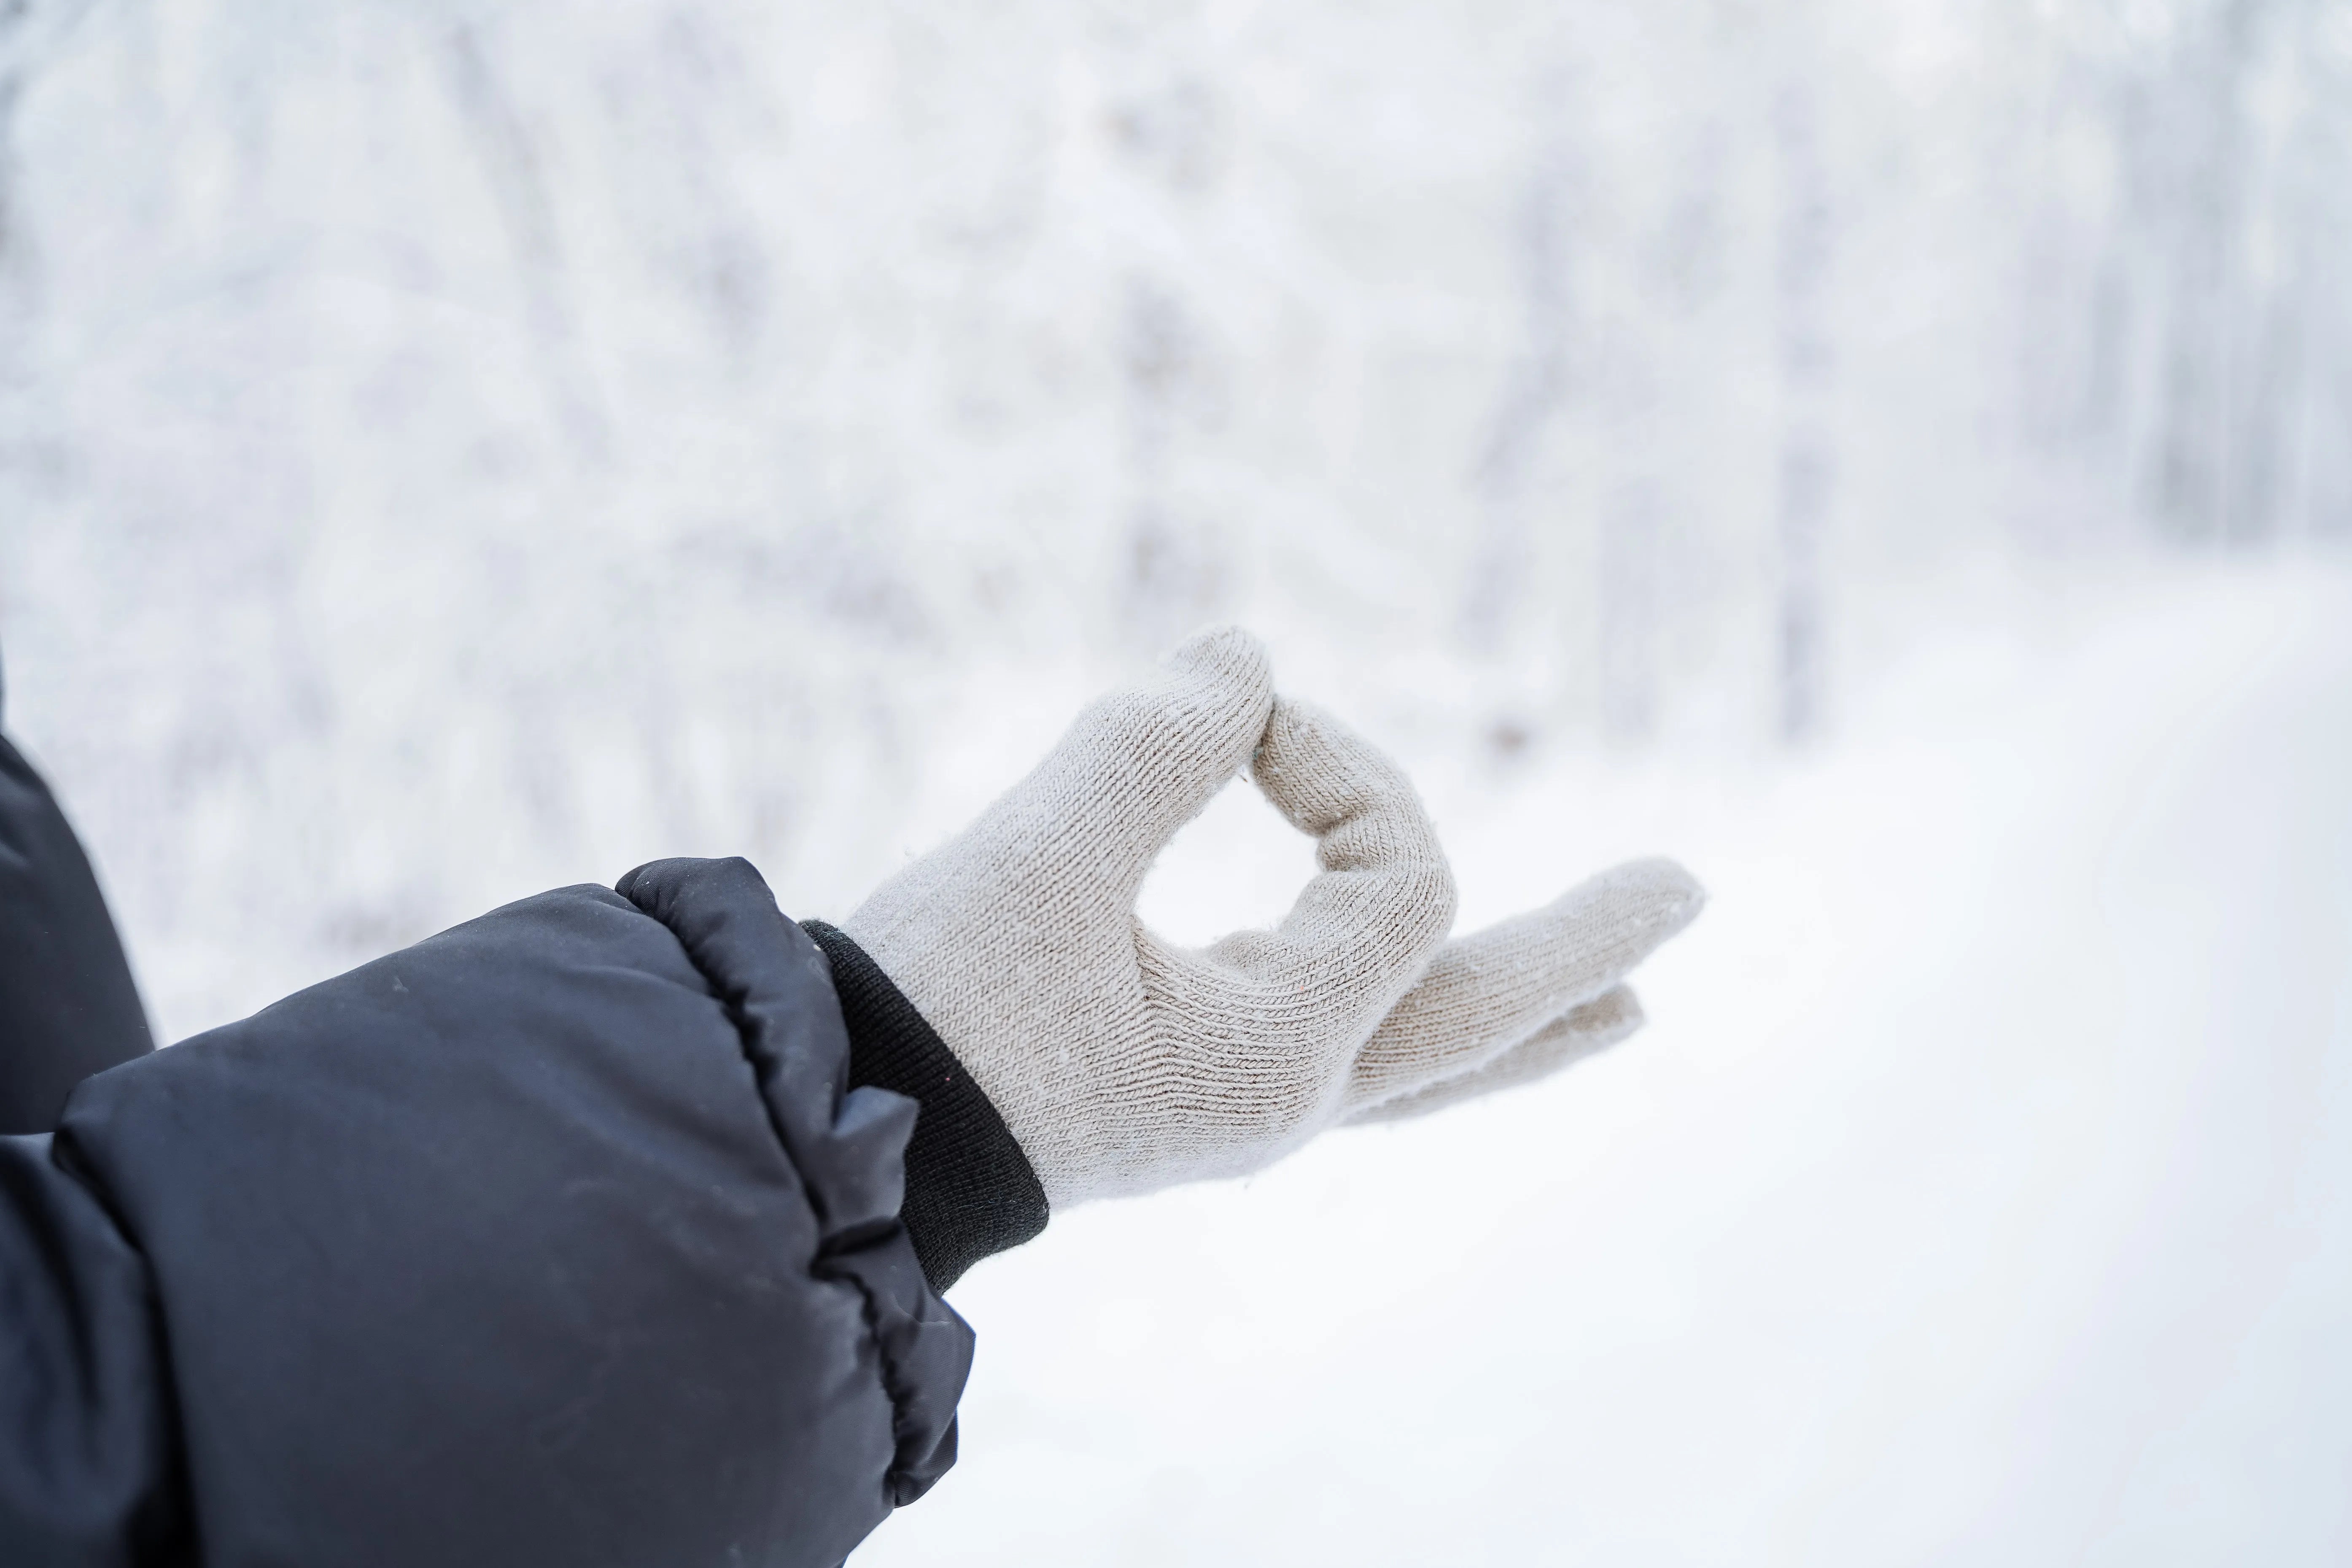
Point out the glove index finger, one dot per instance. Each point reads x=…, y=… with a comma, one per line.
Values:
x=1362, y=928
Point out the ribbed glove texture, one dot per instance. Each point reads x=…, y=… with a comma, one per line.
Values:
x=1122, y=1063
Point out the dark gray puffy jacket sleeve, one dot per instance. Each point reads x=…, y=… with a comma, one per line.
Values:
x=560, y=1237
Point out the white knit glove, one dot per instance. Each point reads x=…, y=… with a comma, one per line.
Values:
x=1122, y=1063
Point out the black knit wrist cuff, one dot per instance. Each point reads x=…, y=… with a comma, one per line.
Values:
x=970, y=1189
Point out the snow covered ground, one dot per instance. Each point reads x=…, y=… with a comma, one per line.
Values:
x=1980, y=1191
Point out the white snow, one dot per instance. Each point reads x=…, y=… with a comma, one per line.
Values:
x=1980, y=1191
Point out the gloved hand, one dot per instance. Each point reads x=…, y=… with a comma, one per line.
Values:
x=1122, y=1063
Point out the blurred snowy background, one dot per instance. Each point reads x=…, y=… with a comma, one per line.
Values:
x=1898, y=457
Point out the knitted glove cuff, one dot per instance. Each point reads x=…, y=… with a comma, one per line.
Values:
x=970, y=1191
